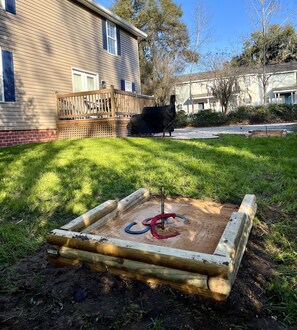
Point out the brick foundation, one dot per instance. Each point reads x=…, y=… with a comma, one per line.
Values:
x=70, y=129
x=11, y=138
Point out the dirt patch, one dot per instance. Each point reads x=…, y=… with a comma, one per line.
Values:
x=46, y=297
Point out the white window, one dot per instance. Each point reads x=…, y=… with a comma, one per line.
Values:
x=2, y=4
x=111, y=38
x=84, y=81
x=200, y=106
x=128, y=86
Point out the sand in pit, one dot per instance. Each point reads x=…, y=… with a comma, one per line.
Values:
x=207, y=223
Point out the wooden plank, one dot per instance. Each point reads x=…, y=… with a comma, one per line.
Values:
x=64, y=95
x=62, y=262
x=57, y=105
x=91, y=216
x=127, y=114
x=150, y=280
x=132, y=199
x=233, y=242
x=136, y=198
x=248, y=206
x=170, y=274
x=235, y=263
x=268, y=133
x=112, y=101
x=144, y=97
x=83, y=122
x=153, y=281
x=94, y=114
x=153, y=254
x=231, y=235
x=101, y=222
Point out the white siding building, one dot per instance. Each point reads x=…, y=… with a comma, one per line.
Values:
x=193, y=92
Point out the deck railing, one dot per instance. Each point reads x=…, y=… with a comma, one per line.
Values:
x=100, y=104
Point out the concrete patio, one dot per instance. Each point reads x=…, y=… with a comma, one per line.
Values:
x=214, y=132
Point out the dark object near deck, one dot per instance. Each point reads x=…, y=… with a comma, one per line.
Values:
x=158, y=119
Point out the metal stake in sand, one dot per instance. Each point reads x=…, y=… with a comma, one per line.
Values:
x=162, y=206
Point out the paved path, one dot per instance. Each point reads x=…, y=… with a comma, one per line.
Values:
x=212, y=132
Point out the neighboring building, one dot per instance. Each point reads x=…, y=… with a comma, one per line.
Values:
x=58, y=45
x=282, y=88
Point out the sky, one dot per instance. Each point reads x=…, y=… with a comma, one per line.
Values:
x=230, y=21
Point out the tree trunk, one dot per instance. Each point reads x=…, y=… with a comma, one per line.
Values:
x=225, y=107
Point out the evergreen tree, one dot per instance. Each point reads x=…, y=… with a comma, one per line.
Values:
x=281, y=47
x=165, y=51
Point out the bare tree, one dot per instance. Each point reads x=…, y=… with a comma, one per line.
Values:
x=200, y=35
x=163, y=78
x=264, y=11
x=224, y=81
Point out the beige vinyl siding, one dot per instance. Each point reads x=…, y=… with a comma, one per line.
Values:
x=48, y=39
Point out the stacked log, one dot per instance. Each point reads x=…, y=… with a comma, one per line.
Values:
x=210, y=275
x=268, y=133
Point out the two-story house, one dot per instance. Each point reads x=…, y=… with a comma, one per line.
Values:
x=58, y=45
x=193, y=92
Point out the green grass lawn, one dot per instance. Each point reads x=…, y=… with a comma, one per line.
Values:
x=43, y=186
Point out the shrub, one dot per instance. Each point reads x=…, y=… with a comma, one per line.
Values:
x=207, y=118
x=271, y=113
x=285, y=112
x=240, y=115
x=181, y=119
x=259, y=115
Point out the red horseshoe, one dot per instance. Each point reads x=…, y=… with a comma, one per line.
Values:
x=154, y=222
x=147, y=221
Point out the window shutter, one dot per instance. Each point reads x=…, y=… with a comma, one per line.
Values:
x=119, y=40
x=122, y=85
x=133, y=87
x=10, y=6
x=104, y=34
x=8, y=76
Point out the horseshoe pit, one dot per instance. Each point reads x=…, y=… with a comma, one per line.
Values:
x=203, y=257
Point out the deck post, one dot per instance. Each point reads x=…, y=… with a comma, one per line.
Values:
x=112, y=99
x=57, y=105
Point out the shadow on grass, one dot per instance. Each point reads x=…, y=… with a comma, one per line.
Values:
x=47, y=185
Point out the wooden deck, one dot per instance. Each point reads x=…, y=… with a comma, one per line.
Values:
x=100, y=113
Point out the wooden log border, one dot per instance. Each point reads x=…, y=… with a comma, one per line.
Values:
x=202, y=263
x=268, y=133
x=141, y=268
x=105, y=212
x=210, y=275
x=91, y=216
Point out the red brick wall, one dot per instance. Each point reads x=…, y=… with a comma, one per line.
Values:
x=11, y=138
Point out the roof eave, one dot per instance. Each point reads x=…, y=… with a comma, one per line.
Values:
x=113, y=18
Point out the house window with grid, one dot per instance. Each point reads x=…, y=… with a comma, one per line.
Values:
x=7, y=86
x=1, y=77
x=111, y=38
